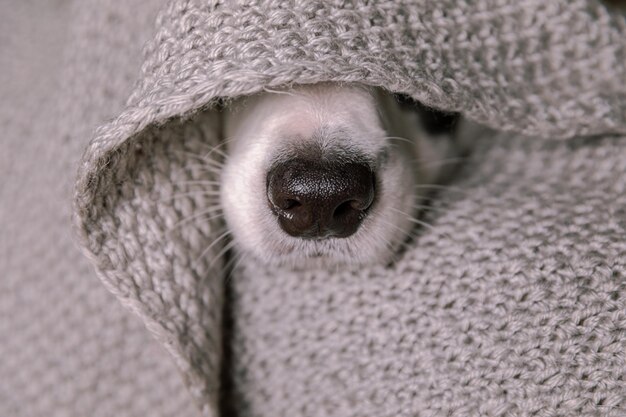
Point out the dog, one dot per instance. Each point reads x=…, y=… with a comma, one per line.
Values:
x=327, y=174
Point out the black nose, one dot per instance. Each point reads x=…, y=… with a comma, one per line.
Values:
x=319, y=199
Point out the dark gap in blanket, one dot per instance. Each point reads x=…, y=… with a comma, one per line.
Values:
x=230, y=405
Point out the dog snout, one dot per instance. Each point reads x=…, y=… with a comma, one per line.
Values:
x=320, y=199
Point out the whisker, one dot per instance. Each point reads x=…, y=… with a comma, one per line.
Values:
x=211, y=166
x=211, y=195
x=204, y=160
x=424, y=162
x=220, y=152
x=221, y=253
x=439, y=162
x=216, y=148
x=183, y=195
x=215, y=212
x=405, y=235
x=207, y=182
x=428, y=208
x=421, y=207
x=212, y=171
x=388, y=244
x=284, y=92
x=208, y=248
x=234, y=260
x=425, y=224
x=195, y=182
x=441, y=187
x=395, y=252
x=415, y=220
x=394, y=249
x=222, y=142
x=395, y=226
x=399, y=138
x=230, y=269
x=422, y=223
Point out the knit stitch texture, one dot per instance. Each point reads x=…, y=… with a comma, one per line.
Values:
x=513, y=304
x=67, y=346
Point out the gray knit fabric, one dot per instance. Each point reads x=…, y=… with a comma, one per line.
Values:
x=67, y=347
x=513, y=304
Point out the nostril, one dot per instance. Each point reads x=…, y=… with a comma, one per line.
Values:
x=344, y=208
x=290, y=203
x=348, y=207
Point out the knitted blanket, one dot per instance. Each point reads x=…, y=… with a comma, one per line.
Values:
x=513, y=303
x=67, y=347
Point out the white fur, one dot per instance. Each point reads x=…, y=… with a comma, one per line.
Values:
x=258, y=127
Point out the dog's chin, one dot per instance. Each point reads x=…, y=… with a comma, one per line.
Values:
x=292, y=253
x=320, y=259
x=362, y=249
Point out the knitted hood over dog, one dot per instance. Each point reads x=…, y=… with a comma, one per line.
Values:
x=548, y=69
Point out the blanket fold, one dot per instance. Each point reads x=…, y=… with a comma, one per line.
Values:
x=547, y=69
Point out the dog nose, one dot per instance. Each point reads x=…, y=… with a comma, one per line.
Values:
x=320, y=199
